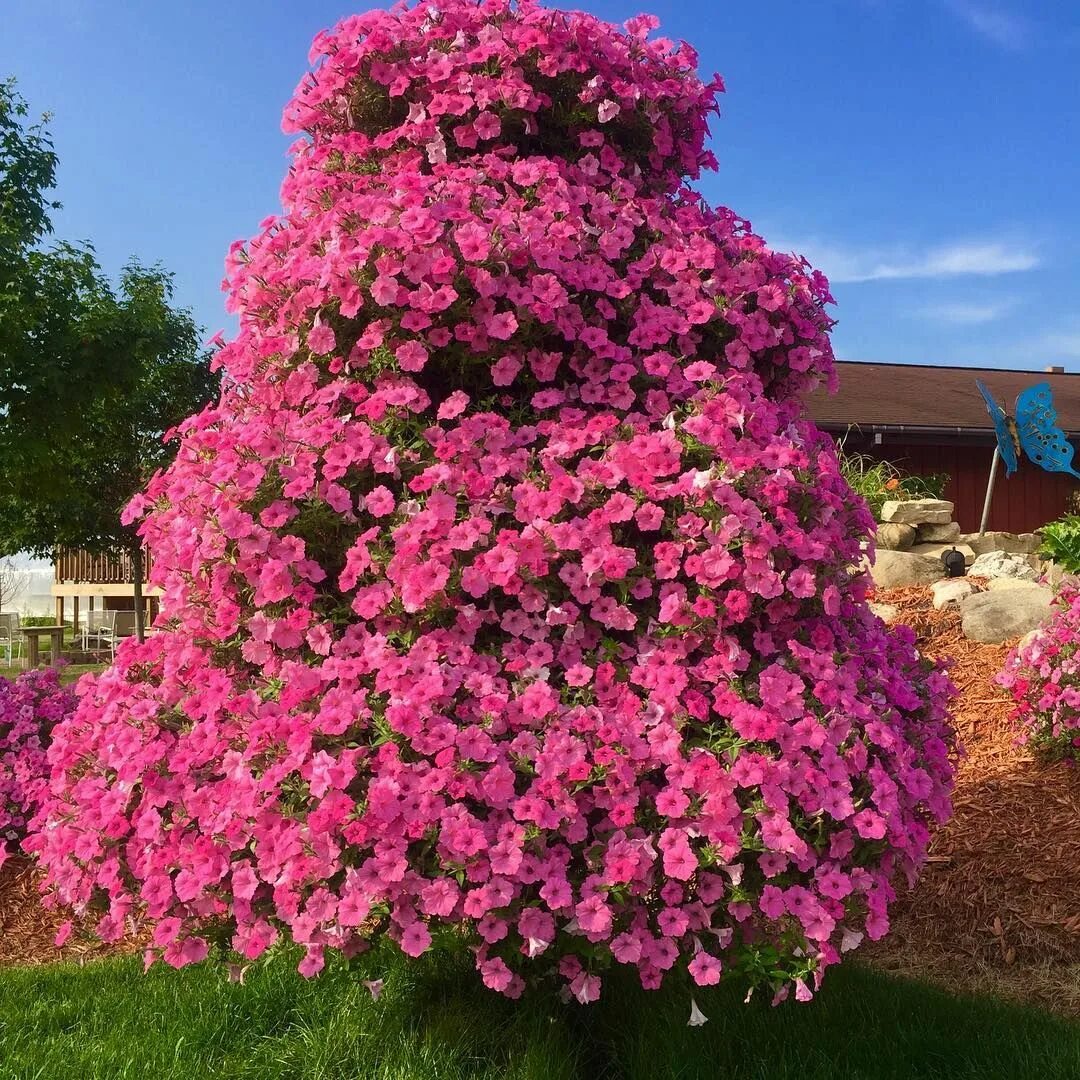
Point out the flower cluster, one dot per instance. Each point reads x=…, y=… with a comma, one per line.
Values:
x=506, y=591
x=30, y=707
x=1043, y=675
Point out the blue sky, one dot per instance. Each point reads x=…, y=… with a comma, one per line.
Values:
x=924, y=153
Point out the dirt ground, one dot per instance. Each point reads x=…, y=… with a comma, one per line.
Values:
x=996, y=910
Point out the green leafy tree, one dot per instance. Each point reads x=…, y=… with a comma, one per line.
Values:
x=91, y=376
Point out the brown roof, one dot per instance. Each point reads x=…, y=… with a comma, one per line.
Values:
x=922, y=396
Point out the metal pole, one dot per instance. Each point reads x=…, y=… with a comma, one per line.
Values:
x=989, y=491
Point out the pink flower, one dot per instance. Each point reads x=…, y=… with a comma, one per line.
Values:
x=312, y=963
x=585, y=987
x=502, y=326
x=700, y=371
x=495, y=974
x=505, y=370
x=679, y=860
x=412, y=356
x=487, y=126
x=578, y=675
x=607, y=110
x=181, y=952
x=593, y=915
x=705, y=969
x=379, y=502
x=320, y=339
x=453, y=406
x=275, y=582
x=415, y=939
x=473, y=243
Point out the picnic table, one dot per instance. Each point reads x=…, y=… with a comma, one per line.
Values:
x=34, y=634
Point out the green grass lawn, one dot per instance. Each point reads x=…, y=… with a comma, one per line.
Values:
x=69, y=673
x=434, y=1022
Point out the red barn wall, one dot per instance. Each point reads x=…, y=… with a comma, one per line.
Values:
x=1025, y=502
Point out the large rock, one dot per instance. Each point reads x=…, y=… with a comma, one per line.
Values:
x=918, y=512
x=999, y=584
x=1053, y=573
x=895, y=569
x=894, y=536
x=1000, y=564
x=951, y=591
x=887, y=613
x=935, y=551
x=937, y=534
x=1003, y=614
x=1022, y=544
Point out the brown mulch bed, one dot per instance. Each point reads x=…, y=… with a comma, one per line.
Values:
x=28, y=930
x=998, y=904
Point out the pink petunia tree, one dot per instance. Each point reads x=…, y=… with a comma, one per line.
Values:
x=508, y=597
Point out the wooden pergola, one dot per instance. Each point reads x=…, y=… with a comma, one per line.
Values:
x=105, y=580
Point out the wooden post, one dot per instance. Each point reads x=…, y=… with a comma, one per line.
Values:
x=75, y=614
x=989, y=491
x=59, y=611
x=140, y=602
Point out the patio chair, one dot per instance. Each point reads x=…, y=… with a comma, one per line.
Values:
x=100, y=628
x=10, y=638
x=125, y=624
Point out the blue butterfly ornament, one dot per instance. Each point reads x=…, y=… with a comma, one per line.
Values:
x=1034, y=430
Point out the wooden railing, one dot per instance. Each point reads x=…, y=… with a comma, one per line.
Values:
x=87, y=568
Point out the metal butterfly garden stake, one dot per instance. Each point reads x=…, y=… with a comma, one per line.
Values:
x=1032, y=430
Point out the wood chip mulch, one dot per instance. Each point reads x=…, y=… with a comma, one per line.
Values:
x=28, y=930
x=1002, y=886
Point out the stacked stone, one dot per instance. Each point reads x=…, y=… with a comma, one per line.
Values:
x=921, y=526
x=913, y=536
x=926, y=527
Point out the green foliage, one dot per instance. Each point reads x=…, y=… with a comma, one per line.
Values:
x=27, y=172
x=44, y=295
x=879, y=481
x=91, y=376
x=1061, y=542
x=108, y=1020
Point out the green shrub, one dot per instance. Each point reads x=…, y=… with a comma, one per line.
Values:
x=879, y=481
x=1061, y=542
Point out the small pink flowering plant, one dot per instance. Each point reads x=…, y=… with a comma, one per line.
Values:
x=1043, y=675
x=506, y=590
x=30, y=707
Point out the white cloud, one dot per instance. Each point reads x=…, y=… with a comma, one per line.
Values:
x=1057, y=346
x=1001, y=27
x=1063, y=345
x=969, y=314
x=979, y=258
